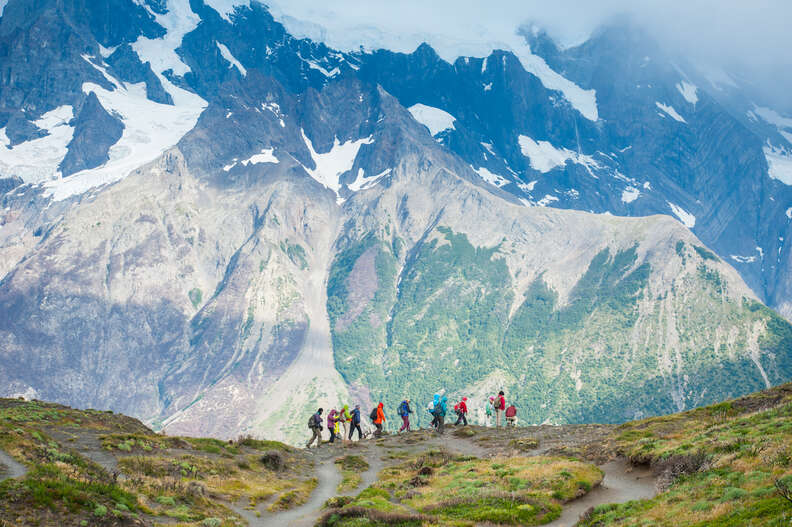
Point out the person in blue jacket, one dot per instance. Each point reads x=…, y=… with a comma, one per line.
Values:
x=440, y=413
x=355, y=423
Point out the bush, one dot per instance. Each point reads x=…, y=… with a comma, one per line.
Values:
x=166, y=500
x=733, y=493
x=273, y=460
x=100, y=511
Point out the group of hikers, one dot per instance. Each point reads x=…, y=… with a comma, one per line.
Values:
x=343, y=423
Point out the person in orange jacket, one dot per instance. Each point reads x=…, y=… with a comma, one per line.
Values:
x=380, y=420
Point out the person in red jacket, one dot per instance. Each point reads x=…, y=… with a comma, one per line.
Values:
x=380, y=420
x=500, y=406
x=461, y=410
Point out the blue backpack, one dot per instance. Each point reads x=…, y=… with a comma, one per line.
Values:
x=403, y=409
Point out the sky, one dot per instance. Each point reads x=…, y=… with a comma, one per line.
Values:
x=749, y=39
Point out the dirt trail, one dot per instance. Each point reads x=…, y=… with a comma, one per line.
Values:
x=10, y=467
x=306, y=514
x=88, y=444
x=622, y=483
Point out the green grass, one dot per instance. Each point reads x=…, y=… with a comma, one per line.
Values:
x=723, y=463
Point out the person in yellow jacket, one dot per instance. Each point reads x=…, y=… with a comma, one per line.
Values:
x=345, y=420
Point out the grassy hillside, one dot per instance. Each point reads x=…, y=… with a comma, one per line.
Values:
x=97, y=468
x=729, y=464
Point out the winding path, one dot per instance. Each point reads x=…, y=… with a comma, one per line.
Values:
x=10, y=467
x=622, y=483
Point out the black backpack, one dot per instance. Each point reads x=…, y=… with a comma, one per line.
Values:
x=373, y=415
x=311, y=422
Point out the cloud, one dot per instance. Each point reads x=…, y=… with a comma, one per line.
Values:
x=749, y=39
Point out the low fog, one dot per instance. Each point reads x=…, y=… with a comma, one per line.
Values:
x=752, y=42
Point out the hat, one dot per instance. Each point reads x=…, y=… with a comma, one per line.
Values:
x=464, y=398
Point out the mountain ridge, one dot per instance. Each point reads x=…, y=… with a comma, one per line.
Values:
x=212, y=281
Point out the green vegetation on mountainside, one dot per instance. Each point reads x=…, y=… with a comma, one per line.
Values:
x=610, y=352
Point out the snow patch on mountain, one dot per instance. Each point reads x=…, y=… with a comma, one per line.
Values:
x=630, y=194
x=362, y=182
x=784, y=124
x=37, y=160
x=490, y=177
x=150, y=128
x=435, y=119
x=687, y=219
x=743, y=259
x=773, y=117
x=100, y=69
x=316, y=66
x=545, y=201
x=402, y=27
x=544, y=157
x=689, y=91
x=779, y=163
x=232, y=61
x=161, y=52
x=331, y=165
x=226, y=7
x=671, y=112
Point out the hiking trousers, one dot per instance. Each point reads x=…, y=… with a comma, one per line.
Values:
x=332, y=435
x=461, y=418
x=498, y=417
x=317, y=434
x=378, y=431
x=352, y=428
x=440, y=424
x=405, y=423
x=345, y=426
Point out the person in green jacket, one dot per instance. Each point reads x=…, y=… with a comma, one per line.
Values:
x=345, y=418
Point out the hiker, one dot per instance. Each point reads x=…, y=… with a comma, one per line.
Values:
x=511, y=416
x=315, y=424
x=345, y=420
x=461, y=410
x=331, y=424
x=431, y=409
x=500, y=405
x=404, y=412
x=379, y=419
x=488, y=410
x=355, y=423
x=440, y=412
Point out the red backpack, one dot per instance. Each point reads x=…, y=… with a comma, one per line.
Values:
x=511, y=411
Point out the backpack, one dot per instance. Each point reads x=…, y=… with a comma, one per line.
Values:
x=403, y=409
x=456, y=407
x=373, y=415
x=312, y=422
x=511, y=411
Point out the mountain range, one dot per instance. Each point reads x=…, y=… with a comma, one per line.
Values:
x=214, y=226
